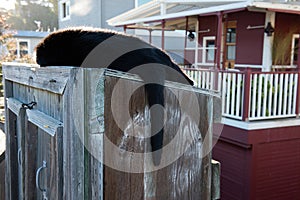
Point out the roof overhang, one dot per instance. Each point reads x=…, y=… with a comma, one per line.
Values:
x=174, y=12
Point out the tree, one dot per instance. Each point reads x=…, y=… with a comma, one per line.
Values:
x=8, y=45
x=29, y=13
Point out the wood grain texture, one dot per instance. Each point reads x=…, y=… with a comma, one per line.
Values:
x=75, y=130
x=52, y=79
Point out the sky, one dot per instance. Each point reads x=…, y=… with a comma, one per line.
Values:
x=7, y=4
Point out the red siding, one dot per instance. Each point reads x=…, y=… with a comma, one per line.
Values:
x=260, y=164
x=278, y=170
x=233, y=171
x=205, y=23
x=249, y=43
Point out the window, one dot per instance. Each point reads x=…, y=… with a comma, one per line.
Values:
x=21, y=49
x=208, y=55
x=230, y=44
x=295, y=49
x=65, y=10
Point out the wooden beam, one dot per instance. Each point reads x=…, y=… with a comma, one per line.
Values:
x=163, y=34
x=219, y=40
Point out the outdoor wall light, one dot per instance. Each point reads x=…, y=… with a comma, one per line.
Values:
x=191, y=36
x=269, y=29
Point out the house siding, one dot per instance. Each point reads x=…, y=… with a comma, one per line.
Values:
x=206, y=23
x=99, y=11
x=259, y=164
x=95, y=14
x=113, y=8
x=249, y=44
x=91, y=16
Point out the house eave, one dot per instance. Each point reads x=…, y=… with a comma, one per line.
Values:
x=133, y=17
x=116, y=21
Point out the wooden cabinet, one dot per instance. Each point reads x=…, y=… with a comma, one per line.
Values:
x=36, y=153
x=61, y=131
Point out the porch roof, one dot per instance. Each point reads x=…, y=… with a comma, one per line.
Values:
x=150, y=15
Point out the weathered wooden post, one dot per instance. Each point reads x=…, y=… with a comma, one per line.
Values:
x=85, y=138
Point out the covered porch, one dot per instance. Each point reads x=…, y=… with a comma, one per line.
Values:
x=223, y=34
x=247, y=50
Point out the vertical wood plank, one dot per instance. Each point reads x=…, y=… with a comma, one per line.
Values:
x=285, y=94
x=238, y=95
x=295, y=89
x=233, y=94
x=281, y=91
x=275, y=105
x=31, y=160
x=254, y=102
x=270, y=95
x=73, y=154
x=11, y=155
x=21, y=150
x=259, y=91
x=224, y=96
x=8, y=92
x=228, y=99
x=203, y=79
x=265, y=95
x=132, y=186
x=290, y=94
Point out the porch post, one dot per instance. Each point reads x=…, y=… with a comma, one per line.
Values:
x=298, y=93
x=124, y=28
x=298, y=86
x=197, y=42
x=298, y=58
x=219, y=41
x=247, y=89
x=163, y=34
x=185, y=41
x=268, y=44
x=150, y=36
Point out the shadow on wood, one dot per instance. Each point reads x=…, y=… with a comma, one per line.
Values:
x=74, y=128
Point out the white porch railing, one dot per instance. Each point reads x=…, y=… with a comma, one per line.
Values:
x=250, y=95
x=273, y=95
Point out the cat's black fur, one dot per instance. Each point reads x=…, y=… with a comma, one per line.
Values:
x=70, y=47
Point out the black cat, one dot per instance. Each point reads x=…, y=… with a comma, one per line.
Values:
x=71, y=47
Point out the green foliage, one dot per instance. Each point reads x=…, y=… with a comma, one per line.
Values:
x=7, y=43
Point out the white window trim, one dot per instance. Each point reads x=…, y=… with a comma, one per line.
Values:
x=295, y=36
x=18, y=47
x=204, y=48
x=61, y=11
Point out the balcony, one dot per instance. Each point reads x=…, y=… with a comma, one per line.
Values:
x=252, y=96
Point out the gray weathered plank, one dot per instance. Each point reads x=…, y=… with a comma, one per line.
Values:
x=14, y=105
x=72, y=127
x=52, y=79
x=43, y=121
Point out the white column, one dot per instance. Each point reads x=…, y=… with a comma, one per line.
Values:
x=268, y=44
x=163, y=9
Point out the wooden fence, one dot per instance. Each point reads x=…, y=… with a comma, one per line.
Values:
x=61, y=130
x=251, y=95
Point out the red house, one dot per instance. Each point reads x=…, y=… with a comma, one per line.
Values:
x=248, y=51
